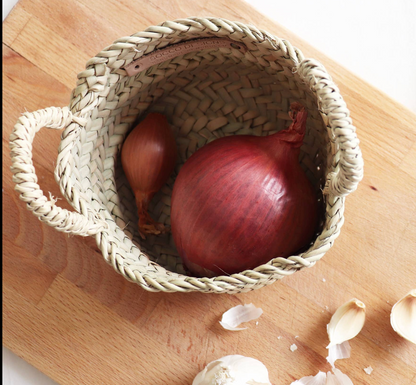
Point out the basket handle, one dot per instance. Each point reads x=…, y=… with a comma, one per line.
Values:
x=24, y=175
x=348, y=162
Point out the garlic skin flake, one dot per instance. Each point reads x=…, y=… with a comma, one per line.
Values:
x=338, y=352
x=403, y=316
x=232, y=318
x=293, y=347
x=233, y=370
x=319, y=379
x=337, y=378
x=368, y=370
x=334, y=378
x=346, y=322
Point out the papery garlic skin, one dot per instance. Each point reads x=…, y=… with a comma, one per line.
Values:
x=403, y=317
x=319, y=379
x=239, y=314
x=337, y=378
x=368, y=370
x=346, y=322
x=338, y=352
x=334, y=378
x=233, y=370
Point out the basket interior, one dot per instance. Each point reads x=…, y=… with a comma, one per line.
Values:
x=193, y=92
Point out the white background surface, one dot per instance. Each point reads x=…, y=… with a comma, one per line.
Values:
x=373, y=39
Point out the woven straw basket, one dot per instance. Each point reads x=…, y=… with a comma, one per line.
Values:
x=227, y=79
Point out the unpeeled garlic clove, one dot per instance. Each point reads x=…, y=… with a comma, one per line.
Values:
x=233, y=370
x=346, y=322
x=403, y=317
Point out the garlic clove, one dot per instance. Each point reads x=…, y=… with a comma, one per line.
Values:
x=233, y=370
x=232, y=318
x=338, y=352
x=319, y=379
x=403, y=316
x=346, y=322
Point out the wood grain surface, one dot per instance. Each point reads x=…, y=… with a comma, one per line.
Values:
x=72, y=316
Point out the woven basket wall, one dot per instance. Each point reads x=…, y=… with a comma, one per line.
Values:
x=206, y=95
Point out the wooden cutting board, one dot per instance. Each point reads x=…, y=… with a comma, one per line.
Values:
x=69, y=314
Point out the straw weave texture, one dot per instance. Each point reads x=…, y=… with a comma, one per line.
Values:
x=205, y=95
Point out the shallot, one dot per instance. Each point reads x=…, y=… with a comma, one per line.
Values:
x=148, y=157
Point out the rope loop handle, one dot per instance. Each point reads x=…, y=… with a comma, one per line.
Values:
x=24, y=174
x=348, y=161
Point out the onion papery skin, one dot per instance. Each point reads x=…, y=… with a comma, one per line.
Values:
x=240, y=201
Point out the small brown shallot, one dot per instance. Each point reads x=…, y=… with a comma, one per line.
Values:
x=148, y=157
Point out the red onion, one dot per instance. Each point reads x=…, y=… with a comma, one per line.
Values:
x=148, y=157
x=240, y=201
